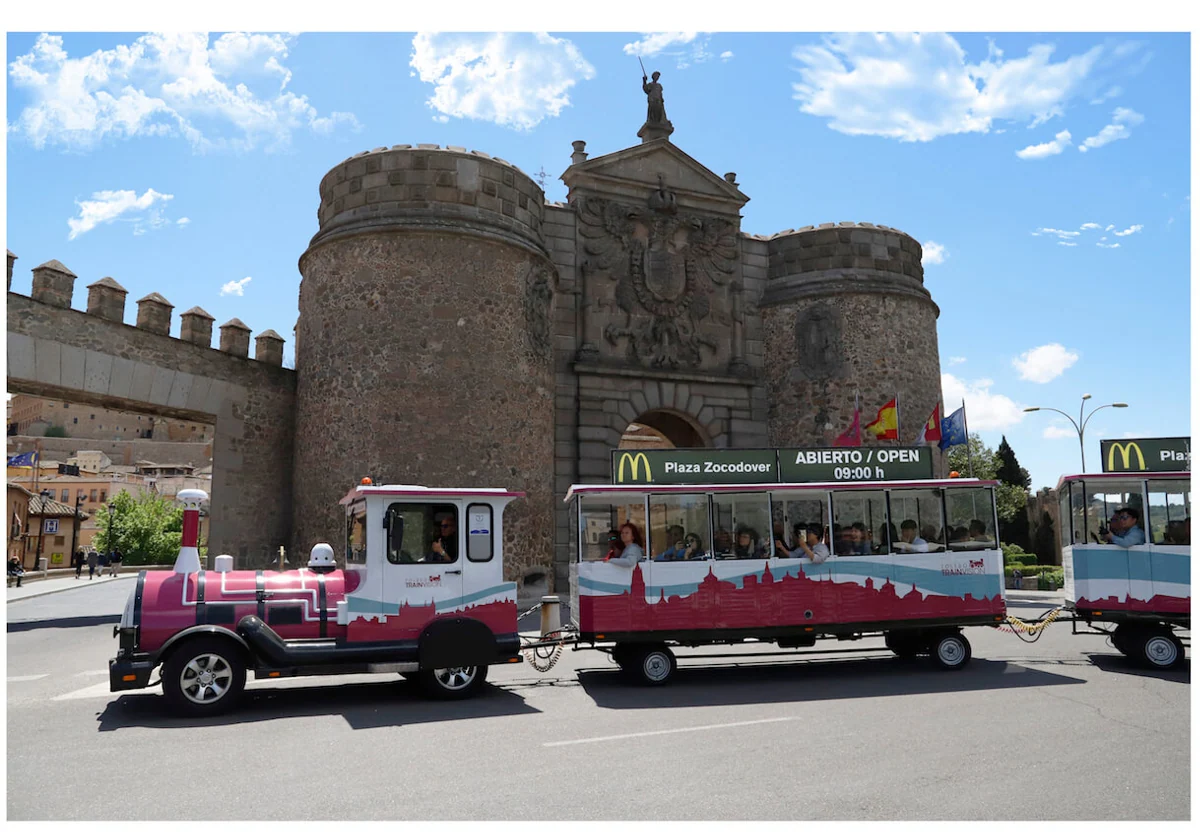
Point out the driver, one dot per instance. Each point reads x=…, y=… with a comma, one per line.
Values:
x=445, y=546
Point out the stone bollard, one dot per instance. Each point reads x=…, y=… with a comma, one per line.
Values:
x=551, y=617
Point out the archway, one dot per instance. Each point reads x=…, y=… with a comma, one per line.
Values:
x=661, y=429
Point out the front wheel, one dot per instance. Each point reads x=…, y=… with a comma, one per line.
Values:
x=951, y=650
x=453, y=683
x=204, y=677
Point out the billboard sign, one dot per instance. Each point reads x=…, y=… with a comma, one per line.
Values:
x=694, y=466
x=855, y=463
x=1146, y=455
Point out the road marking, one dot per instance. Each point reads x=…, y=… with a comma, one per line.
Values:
x=664, y=732
x=97, y=672
x=101, y=690
x=29, y=678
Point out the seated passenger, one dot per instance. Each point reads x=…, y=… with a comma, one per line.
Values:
x=1176, y=533
x=859, y=539
x=930, y=534
x=747, y=544
x=959, y=536
x=978, y=531
x=779, y=538
x=631, y=547
x=445, y=547
x=813, y=547
x=693, y=548
x=841, y=542
x=910, y=543
x=614, y=545
x=1123, y=528
x=722, y=543
x=675, y=546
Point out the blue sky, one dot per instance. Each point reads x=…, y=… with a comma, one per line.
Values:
x=1047, y=175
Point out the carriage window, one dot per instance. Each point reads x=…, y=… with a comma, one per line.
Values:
x=1105, y=498
x=970, y=519
x=793, y=515
x=413, y=531
x=1170, y=512
x=741, y=526
x=859, y=522
x=479, y=533
x=601, y=519
x=1064, y=515
x=1077, y=513
x=679, y=527
x=916, y=517
x=356, y=535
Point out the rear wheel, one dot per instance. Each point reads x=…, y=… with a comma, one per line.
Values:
x=951, y=650
x=651, y=665
x=1124, y=639
x=1160, y=648
x=906, y=645
x=204, y=676
x=453, y=683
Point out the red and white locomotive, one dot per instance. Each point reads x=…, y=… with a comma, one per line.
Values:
x=422, y=593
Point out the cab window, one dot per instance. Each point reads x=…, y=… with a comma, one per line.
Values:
x=356, y=535
x=422, y=533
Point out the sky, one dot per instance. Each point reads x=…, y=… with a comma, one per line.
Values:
x=1045, y=174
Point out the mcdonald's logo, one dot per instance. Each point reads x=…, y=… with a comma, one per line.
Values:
x=1125, y=450
x=633, y=461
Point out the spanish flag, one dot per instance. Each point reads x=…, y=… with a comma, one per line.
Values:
x=932, y=431
x=885, y=426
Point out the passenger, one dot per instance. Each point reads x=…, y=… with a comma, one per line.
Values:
x=631, y=541
x=693, y=547
x=614, y=545
x=675, y=545
x=841, y=541
x=747, y=544
x=722, y=543
x=859, y=538
x=910, y=543
x=1123, y=528
x=977, y=531
x=445, y=546
x=813, y=547
x=779, y=538
x=930, y=535
x=959, y=535
x=1176, y=533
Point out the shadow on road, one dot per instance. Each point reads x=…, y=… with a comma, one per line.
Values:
x=1120, y=664
x=73, y=621
x=363, y=705
x=799, y=681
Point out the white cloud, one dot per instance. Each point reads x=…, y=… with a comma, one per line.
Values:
x=183, y=221
x=107, y=206
x=1067, y=244
x=1044, y=364
x=1123, y=120
x=985, y=411
x=1061, y=234
x=511, y=79
x=235, y=287
x=1043, y=150
x=957, y=360
x=932, y=253
x=230, y=94
x=725, y=56
x=1108, y=245
x=1089, y=226
x=686, y=48
x=656, y=42
x=1127, y=231
x=1111, y=93
x=917, y=87
x=1054, y=432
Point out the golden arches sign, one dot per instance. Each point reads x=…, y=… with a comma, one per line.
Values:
x=1126, y=449
x=633, y=460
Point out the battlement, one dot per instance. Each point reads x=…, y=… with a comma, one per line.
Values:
x=54, y=284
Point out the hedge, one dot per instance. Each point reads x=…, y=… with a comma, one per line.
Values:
x=1031, y=571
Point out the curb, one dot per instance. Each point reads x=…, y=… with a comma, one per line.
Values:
x=57, y=591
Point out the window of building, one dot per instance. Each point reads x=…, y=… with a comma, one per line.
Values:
x=793, y=515
x=679, y=527
x=92, y=495
x=916, y=521
x=103, y=496
x=413, y=530
x=60, y=541
x=1104, y=500
x=1170, y=512
x=741, y=526
x=601, y=519
x=75, y=421
x=64, y=495
x=93, y=416
x=970, y=519
x=859, y=522
x=66, y=405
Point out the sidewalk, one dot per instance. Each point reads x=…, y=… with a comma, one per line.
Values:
x=34, y=585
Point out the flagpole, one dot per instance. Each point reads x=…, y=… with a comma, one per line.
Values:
x=967, y=433
x=898, y=443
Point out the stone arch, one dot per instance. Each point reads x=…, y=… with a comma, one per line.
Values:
x=674, y=428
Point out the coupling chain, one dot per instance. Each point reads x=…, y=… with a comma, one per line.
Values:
x=530, y=611
x=1016, y=625
x=535, y=658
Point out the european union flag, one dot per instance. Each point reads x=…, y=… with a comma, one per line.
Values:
x=954, y=429
x=25, y=459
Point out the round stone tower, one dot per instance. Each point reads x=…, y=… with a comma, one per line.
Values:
x=425, y=310
x=845, y=309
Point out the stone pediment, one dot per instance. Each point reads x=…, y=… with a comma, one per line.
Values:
x=632, y=173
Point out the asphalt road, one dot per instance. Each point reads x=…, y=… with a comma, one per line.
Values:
x=1061, y=729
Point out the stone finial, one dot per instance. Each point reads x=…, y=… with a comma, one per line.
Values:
x=12, y=258
x=53, y=283
x=195, y=327
x=268, y=348
x=235, y=338
x=731, y=177
x=579, y=155
x=154, y=314
x=106, y=299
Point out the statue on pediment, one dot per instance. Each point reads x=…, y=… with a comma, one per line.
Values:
x=657, y=125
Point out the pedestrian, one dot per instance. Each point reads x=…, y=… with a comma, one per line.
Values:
x=1017, y=578
x=92, y=559
x=80, y=558
x=16, y=569
x=114, y=562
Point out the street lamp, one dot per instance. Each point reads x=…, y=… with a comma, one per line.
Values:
x=112, y=510
x=80, y=498
x=45, y=494
x=1082, y=424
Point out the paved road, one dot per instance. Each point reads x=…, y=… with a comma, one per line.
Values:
x=1065, y=727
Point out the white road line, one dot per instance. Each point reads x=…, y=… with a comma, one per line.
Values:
x=29, y=678
x=101, y=690
x=664, y=732
x=97, y=672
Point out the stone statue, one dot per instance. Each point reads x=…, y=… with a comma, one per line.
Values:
x=657, y=125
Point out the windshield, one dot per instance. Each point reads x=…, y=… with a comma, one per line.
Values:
x=356, y=534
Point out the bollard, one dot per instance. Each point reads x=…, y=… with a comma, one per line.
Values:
x=223, y=563
x=550, y=614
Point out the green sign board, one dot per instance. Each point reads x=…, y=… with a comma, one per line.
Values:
x=855, y=463
x=694, y=466
x=1146, y=455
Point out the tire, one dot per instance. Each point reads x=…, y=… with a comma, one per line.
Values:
x=905, y=645
x=951, y=650
x=625, y=656
x=653, y=665
x=204, y=677
x=1125, y=639
x=1159, y=648
x=453, y=683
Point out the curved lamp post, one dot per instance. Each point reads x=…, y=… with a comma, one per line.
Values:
x=37, y=560
x=1082, y=424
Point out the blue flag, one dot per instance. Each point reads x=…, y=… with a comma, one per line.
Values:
x=954, y=429
x=25, y=459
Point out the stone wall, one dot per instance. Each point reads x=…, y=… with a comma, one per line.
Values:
x=127, y=452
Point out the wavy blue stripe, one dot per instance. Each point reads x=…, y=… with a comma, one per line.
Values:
x=373, y=607
x=1120, y=564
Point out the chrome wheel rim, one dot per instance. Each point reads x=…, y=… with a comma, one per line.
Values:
x=951, y=651
x=656, y=666
x=1161, y=651
x=206, y=678
x=454, y=679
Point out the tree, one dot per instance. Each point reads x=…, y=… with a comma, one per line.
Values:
x=1010, y=498
x=982, y=461
x=1008, y=469
x=1043, y=541
x=147, y=529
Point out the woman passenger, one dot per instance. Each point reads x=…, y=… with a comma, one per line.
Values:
x=693, y=547
x=747, y=544
x=631, y=540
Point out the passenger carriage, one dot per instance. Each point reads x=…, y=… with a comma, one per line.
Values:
x=917, y=587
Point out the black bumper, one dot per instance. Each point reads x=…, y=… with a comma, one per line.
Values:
x=126, y=674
